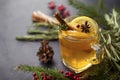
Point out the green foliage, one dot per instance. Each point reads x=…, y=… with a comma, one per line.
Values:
x=110, y=39
x=37, y=32
x=63, y=27
x=40, y=70
x=102, y=71
x=91, y=11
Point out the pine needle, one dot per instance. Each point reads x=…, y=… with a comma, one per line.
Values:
x=40, y=70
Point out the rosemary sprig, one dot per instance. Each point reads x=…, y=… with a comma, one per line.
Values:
x=111, y=40
x=37, y=33
x=37, y=37
x=36, y=30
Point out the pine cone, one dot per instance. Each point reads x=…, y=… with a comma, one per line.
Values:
x=45, y=52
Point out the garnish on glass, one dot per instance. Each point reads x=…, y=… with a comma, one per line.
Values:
x=85, y=27
x=63, y=24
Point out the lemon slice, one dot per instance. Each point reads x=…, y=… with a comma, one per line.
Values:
x=80, y=21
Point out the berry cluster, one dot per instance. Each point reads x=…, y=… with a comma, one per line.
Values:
x=70, y=75
x=35, y=77
x=43, y=77
x=66, y=74
x=60, y=8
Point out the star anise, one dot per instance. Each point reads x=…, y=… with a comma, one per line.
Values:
x=45, y=52
x=85, y=27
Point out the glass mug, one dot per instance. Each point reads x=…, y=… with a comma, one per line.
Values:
x=79, y=54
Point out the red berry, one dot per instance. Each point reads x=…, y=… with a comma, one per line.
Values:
x=66, y=13
x=34, y=74
x=35, y=78
x=78, y=26
x=44, y=78
x=49, y=77
x=61, y=71
x=76, y=77
x=51, y=5
x=61, y=7
x=68, y=74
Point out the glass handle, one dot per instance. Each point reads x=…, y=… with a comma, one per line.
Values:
x=99, y=53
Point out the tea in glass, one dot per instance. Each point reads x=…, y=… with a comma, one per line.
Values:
x=76, y=45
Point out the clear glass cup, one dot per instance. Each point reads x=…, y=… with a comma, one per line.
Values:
x=79, y=54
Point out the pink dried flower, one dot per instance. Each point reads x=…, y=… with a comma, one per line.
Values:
x=66, y=13
x=61, y=8
x=51, y=5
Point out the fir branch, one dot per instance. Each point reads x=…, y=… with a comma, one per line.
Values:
x=40, y=70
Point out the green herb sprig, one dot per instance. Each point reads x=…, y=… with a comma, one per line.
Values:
x=35, y=32
x=110, y=39
x=40, y=70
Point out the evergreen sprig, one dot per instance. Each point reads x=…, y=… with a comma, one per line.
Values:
x=37, y=32
x=37, y=37
x=63, y=27
x=36, y=28
x=40, y=70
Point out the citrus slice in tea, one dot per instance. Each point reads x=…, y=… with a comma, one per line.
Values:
x=82, y=21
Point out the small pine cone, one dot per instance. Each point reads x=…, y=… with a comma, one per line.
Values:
x=45, y=52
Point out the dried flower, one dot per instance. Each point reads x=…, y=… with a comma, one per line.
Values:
x=66, y=13
x=51, y=5
x=85, y=27
x=61, y=8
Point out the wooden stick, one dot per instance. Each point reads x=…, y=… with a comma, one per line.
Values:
x=62, y=22
x=38, y=16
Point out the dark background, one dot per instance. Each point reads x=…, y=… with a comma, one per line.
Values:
x=15, y=17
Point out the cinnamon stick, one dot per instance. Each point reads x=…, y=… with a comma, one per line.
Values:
x=38, y=16
x=61, y=21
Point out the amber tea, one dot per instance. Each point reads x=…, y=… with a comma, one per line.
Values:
x=76, y=46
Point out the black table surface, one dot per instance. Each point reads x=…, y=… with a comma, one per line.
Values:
x=15, y=17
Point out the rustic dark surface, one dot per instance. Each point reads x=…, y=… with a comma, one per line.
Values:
x=15, y=17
